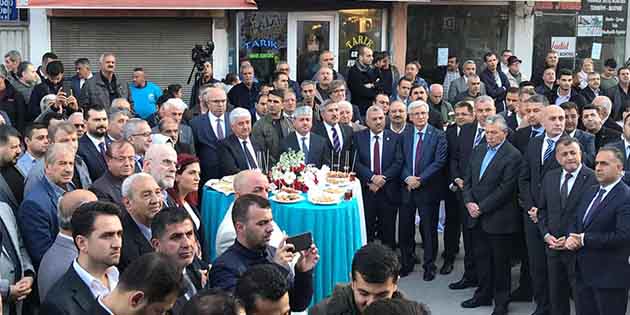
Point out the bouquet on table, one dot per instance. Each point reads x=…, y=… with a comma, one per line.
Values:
x=291, y=171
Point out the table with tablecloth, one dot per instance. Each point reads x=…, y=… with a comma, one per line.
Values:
x=338, y=231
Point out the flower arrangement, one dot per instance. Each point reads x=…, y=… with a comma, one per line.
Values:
x=290, y=171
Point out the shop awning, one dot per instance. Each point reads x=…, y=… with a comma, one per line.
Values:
x=143, y=4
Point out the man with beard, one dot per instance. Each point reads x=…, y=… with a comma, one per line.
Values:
x=587, y=140
x=37, y=216
x=253, y=222
x=52, y=84
x=362, y=80
x=104, y=86
x=397, y=117
x=160, y=161
x=11, y=178
x=137, y=294
x=324, y=78
x=93, y=144
x=143, y=200
x=593, y=124
x=120, y=165
x=565, y=91
x=97, y=233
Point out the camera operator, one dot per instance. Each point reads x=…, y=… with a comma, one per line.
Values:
x=205, y=77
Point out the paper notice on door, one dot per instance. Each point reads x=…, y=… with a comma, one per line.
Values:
x=442, y=56
x=596, y=51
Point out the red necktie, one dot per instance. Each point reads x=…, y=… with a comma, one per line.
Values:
x=376, y=162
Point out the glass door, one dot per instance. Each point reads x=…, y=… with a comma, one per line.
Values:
x=309, y=34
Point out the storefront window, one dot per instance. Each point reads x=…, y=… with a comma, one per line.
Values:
x=262, y=40
x=468, y=32
x=358, y=27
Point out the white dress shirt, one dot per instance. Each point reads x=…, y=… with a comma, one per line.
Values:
x=625, y=147
x=608, y=188
x=308, y=140
x=545, y=145
x=213, y=124
x=82, y=81
x=95, y=285
x=96, y=141
x=380, y=149
x=251, y=150
x=571, y=181
x=329, y=129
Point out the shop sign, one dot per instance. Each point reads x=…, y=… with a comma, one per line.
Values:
x=590, y=25
x=614, y=13
x=8, y=10
x=565, y=46
x=360, y=39
x=260, y=43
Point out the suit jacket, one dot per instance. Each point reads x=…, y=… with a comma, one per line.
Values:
x=606, y=136
x=615, y=94
x=108, y=188
x=589, y=95
x=134, y=245
x=520, y=139
x=37, y=218
x=434, y=154
x=346, y=135
x=462, y=150
x=620, y=145
x=55, y=263
x=7, y=265
x=606, y=238
x=92, y=157
x=610, y=124
x=265, y=135
x=459, y=86
x=496, y=92
x=318, y=150
x=552, y=217
x=97, y=309
x=511, y=120
x=69, y=296
x=6, y=194
x=532, y=172
x=587, y=142
x=75, y=82
x=36, y=174
x=207, y=145
x=495, y=192
x=233, y=158
x=575, y=97
x=391, y=161
x=185, y=134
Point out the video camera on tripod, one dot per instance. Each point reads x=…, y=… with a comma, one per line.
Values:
x=200, y=55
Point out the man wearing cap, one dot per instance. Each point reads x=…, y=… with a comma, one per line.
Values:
x=513, y=73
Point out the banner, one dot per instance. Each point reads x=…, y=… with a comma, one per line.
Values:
x=145, y=4
x=8, y=10
x=565, y=46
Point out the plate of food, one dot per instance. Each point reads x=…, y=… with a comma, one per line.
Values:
x=220, y=186
x=337, y=178
x=324, y=199
x=289, y=190
x=334, y=190
x=284, y=197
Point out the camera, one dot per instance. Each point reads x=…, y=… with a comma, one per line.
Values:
x=202, y=54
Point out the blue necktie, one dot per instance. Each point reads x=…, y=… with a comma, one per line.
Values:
x=336, y=143
x=593, y=208
x=305, y=150
x=486, y=160
x=480, y=134
x=535, y=133
x=550, y=146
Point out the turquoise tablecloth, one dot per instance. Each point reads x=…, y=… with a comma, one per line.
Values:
x=336, y=231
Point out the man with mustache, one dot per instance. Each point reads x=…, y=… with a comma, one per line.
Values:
x=120, y=165
x=97, y=233
x=173, y=234
x=37, y=216
x=11, y=177
x=104, y=86
x=143, y=200
x=160, y=162
x=93, y=144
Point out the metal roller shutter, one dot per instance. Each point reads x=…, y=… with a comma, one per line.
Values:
x=162, y=46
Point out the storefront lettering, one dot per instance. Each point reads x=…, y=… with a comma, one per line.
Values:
x=261, y=43
x=359, y=40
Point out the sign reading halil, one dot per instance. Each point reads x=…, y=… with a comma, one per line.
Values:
x=565, y=46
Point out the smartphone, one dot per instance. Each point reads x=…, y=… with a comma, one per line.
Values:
x=301, y=242
x=67, y=87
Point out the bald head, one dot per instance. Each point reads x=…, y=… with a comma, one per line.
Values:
x=69, y=202
x=553, y=120
x=251, y=182
x=160, y=162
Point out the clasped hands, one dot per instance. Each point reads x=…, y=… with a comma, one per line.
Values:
x=473, y=209
x=413, y=182
x=377, y=182
x=572, y=243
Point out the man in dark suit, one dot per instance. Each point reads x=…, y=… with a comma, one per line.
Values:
x=539, y=159
x=565, y=91
x=339, y=137
x=378, y=165
x=120, y=165
x=490, y=187
x=173, y=234
x=11, y=178
x=97, y=233
x=136, y=293
x=238, y=152
x=604, y=106
x=93, y=144
x=592, y=90
x=533, y=110
x=424, y=155
x=314, y=146
x=593, y=124
x=489, y=77
x=143, y=200
x=470, y=136
x=561, y=191
x=208, y=130
x=511, y=113
x=600, y=240
x=84, y=73
x=587, y=140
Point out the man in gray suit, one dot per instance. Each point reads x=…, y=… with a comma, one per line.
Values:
x=16, y=269
x=460, y=85
x=58, y=258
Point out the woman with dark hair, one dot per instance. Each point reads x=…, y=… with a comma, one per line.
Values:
x=174, y=91
x=185, y=193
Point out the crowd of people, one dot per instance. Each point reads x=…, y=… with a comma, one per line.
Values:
x=100, y=180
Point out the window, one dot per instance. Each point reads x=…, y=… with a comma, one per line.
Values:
x=262, y=40
x=362, y=26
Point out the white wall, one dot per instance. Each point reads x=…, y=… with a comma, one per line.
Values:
x=39, y=39
x=221, y=44
x=521, y=34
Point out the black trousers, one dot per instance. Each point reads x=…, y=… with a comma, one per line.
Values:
x=470, y=272
x=561, y=267
x=536, y=251
x=598, y=301
x=380, y=217
x=492, y=259
x=452, y=225
x=429, y=212
x=520, y=254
